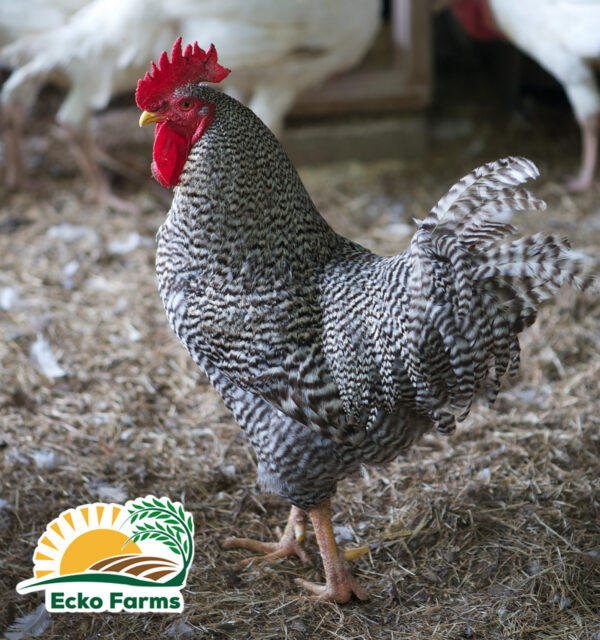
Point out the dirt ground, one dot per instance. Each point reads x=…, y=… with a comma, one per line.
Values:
x=492, y=533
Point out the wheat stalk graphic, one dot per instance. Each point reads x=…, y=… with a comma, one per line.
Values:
x=170, y=526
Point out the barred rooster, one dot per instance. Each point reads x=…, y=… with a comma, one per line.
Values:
x=327, y=355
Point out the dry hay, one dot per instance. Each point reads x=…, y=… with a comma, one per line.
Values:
x=492, y=533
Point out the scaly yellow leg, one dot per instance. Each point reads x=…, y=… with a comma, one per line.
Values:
x=339, y=583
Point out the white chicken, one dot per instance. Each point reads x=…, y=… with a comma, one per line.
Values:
x=97, y=53
x=40, y=16
x=562, y=36
x=276, y=49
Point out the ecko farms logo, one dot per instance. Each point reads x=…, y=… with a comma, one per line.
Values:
x=110, y=557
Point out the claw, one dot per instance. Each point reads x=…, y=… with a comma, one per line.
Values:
x=339, y=591
x=354, y=554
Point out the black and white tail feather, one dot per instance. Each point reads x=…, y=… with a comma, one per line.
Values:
x=466, y=229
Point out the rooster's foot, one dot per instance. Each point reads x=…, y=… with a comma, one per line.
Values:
x=290, y=542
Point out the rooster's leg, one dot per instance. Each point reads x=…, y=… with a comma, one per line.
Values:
x=339, y=583
x=589, y=153
x=290, y=542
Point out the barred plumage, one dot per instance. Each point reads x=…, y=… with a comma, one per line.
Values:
x=327, y=354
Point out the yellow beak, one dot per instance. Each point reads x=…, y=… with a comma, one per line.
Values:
x=148, y=117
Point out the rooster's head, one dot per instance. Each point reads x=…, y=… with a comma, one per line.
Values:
x=165, y=98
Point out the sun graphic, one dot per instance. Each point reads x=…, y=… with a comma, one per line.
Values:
x=81, y=537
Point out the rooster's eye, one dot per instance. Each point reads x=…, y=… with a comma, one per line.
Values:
x=185, y=105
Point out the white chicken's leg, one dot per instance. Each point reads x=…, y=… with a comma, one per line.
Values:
x=589, y=154
x=13, y=119
x=85, y=151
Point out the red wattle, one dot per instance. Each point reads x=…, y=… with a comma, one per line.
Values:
x=170, y=152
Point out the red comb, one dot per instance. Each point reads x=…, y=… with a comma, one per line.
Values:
x=190, y=66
